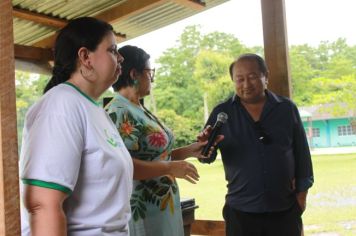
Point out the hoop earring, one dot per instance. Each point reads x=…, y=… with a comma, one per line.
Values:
x=136, y=83
x=86, y=73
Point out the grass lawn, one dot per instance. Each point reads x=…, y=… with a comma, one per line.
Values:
x=331, y=201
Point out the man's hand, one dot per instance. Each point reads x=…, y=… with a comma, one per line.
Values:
x=204, y=135
x=302, y=200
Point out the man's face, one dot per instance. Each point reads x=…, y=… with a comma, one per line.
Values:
x=250, y=82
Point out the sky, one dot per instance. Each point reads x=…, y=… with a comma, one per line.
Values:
x=308, y=22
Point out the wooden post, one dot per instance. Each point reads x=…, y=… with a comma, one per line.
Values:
x=9, y=185
x=353, y=125
x=276, y=46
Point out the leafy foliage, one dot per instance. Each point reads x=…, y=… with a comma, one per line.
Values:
x=189, y=73
x=184, y=129
x=325, y=75
x=193, y=78
x=29, y=88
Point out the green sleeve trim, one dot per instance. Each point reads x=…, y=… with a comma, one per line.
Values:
x=44, y=184
x=82, y=93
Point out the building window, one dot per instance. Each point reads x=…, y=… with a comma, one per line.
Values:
x=344, y=130
x=316, y=132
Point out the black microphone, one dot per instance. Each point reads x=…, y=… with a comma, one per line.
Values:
x=221, y=119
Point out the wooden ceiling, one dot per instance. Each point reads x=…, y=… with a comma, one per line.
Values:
x=36, y=22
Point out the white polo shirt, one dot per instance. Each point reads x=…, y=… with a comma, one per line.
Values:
x=70, y=144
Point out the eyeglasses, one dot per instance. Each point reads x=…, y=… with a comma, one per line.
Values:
x=152, y=72
x=263, y=137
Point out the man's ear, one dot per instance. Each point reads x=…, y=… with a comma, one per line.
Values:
x=83, y=56
x=266, y=76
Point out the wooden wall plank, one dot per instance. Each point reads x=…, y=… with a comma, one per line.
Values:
x=276, y=46
x=9, y=187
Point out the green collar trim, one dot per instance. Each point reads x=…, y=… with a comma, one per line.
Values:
x=82, y=93
x=44, y=184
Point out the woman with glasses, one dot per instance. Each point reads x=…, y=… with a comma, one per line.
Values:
x=155, y=202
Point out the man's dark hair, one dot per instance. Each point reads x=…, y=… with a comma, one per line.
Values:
x=250, y=56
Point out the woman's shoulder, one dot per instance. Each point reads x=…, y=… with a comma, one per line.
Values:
x=120, y=110
x=67, y=97
x=60, y=100
x=121, y=105
x=116, y=103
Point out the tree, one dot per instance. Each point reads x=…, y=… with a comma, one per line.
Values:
x=175, y=77
x=29, y=88
x=317, y=73
x=209, y=67
x=339, y=92
x=302, y=71
x=338, y=66
x=184, y=129
x=188, y=73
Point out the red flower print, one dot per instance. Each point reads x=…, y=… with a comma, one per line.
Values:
x=126, y=128
x=157, y=139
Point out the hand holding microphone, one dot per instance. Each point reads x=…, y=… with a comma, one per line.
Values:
x=213, y=136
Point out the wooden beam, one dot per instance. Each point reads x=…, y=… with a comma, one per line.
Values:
x=39, y=18
x=127, y=9
x=33, y=53
x=193, y=4
x=208, y=227
x=9, y=180
x=276, y=46
x=37, y=67
x=119, y=12
x=48, y=42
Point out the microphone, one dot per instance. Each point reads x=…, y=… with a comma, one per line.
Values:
x=221, y=119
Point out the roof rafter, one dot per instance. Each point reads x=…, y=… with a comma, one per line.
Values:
x=50, y=21
x=127, y=9
x=39, y=18
x=119, y=12
x=33, y=53
x=194, y=4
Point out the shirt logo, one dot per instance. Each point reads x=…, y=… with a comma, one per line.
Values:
x=112, y=138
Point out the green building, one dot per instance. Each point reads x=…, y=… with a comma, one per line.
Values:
x=325, y=129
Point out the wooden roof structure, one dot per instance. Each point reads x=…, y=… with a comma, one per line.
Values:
x=27, y=32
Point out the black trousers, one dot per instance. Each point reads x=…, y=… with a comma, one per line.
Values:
x=285, y=223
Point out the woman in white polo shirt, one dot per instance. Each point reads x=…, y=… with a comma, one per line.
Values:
x=75, y=169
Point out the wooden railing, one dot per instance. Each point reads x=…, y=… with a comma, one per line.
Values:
x=199, y=227
x=208, y=227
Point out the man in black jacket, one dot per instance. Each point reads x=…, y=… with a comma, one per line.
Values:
x=265, y=155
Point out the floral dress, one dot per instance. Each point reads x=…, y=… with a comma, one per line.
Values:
x=155, y=203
